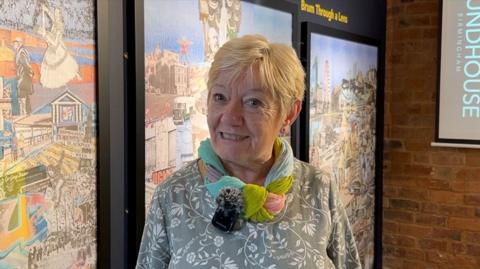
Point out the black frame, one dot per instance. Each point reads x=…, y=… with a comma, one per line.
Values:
x=111, y=148
x=447, y=141
x=136, y=100
x=307, y=29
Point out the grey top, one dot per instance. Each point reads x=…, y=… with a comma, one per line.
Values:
x=312, y=231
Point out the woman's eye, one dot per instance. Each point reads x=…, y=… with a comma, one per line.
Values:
x=219, y=97
x=254, y=102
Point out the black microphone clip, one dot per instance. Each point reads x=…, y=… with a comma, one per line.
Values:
x=228, y=215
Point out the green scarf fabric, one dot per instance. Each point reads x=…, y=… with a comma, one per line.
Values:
x=279, y=179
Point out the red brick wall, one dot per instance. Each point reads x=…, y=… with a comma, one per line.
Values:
x=431, y=195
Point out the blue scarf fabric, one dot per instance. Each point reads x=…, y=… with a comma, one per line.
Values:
x=282, y=167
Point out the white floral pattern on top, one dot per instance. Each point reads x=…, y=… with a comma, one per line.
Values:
x=311, y=232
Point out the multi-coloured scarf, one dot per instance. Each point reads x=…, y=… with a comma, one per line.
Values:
x=262, y=203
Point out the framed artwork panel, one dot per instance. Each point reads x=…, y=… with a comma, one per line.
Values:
x=178, y=50
x=48, y=134
x=174, y=45
x=339, y=122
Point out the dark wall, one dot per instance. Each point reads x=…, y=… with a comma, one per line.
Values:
x=365, y=17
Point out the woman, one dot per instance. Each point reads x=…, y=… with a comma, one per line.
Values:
x=247, y=202
x=58, y=66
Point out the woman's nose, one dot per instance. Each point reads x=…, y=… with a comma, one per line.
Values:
x=233, y=113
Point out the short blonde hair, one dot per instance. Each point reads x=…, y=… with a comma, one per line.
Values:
x=280, y=70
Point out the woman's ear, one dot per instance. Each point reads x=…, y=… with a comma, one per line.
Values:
x=293, y=113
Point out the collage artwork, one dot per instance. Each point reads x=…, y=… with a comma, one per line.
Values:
x=47, y=134
x=179, y=49
x=343, y=89
x=342, y=109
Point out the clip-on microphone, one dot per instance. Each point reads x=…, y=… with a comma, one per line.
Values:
x=230, y=205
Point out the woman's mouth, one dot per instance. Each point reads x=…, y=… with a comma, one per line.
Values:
x=232, y=137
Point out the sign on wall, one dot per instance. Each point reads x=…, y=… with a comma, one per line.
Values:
x=458, y=102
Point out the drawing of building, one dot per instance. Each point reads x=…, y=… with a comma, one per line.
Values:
x=165, y=74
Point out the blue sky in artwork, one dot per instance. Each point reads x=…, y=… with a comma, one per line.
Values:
x=266, y=21
x=166, y=22
x=341, y=55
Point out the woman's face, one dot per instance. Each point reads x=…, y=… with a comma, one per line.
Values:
x=243, y=120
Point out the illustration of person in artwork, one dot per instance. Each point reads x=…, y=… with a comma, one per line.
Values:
x=58, y=66
x=221, y=22
x=24, y=74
